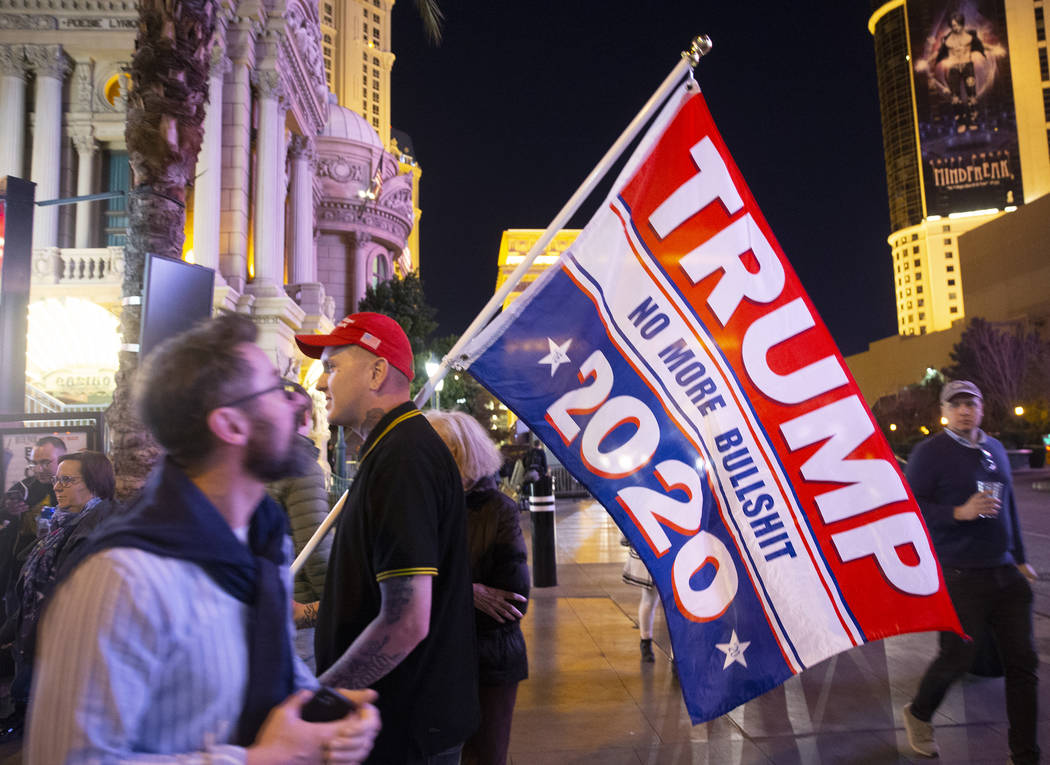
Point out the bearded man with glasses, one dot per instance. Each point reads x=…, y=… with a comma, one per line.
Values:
x=181, y=609
x=962, y=482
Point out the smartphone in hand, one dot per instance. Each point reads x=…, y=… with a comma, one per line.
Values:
x=327, y=705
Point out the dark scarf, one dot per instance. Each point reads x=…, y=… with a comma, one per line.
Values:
x=174, y=519
x=41, y=569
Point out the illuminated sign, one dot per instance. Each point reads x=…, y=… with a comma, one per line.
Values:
x=964, y=105
x=72, y=350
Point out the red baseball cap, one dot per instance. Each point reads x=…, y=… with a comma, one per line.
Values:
x=374, y=332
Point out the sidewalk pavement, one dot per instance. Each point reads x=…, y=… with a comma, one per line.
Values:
x=589, y=700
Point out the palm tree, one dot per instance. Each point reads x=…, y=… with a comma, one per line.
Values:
x=165, y=119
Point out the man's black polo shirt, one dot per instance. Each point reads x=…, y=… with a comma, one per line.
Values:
x=406, y=515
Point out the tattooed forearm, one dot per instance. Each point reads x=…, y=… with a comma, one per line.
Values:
x=307, y=617
x=361, y=667
x=397, y=593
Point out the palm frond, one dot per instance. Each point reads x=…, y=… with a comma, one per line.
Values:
x=431, y=15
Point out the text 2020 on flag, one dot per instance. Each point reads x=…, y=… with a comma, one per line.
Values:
x=675, y=365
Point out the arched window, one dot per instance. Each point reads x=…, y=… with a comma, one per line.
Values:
x=380, y=269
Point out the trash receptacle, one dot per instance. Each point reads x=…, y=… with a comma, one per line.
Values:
x=544, y=543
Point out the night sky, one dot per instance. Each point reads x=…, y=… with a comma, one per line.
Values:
x=520, y=101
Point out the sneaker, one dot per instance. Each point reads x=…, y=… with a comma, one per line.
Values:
x=920, y=734
x=646, y=648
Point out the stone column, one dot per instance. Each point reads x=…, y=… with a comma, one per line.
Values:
x=13, y=69
x=303, y=258
x=51, y=66
x=207, y=199
x=268, y=217
x=360, y=242
x=87, y=151
x=236, y=152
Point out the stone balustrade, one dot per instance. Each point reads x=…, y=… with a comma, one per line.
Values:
x=98, y=266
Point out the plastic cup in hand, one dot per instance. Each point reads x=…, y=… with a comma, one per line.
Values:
x=994, y=489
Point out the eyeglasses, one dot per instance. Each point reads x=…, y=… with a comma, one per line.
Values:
x=65, y=481
x=290, y=391
x=988, y=461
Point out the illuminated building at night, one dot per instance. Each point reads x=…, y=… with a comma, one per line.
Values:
x=515, y=244
x=355, y=42
x=299, y=203
x=356, y=46
x=964, y=89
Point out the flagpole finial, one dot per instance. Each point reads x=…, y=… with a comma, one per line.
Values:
x=700, y=46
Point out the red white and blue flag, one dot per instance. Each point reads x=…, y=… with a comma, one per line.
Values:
x=674, y=364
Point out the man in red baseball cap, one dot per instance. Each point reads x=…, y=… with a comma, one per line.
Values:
x=397, y=610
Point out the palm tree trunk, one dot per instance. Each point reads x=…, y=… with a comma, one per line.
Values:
x=166, y=105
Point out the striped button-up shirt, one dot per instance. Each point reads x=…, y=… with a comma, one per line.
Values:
x=141, y=659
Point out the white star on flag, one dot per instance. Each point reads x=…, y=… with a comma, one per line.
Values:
x=559, y=354
x=734, y=650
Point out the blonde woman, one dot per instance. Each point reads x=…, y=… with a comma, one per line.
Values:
x=501, y=582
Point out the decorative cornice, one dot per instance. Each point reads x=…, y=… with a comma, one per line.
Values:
x=80, y=7
x=48, y=61
x=395, y=227
x=300, y=44
x=21, y=21
x=13, y=61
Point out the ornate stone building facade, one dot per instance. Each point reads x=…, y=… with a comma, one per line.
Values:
x=296, y=214
x=365, y=211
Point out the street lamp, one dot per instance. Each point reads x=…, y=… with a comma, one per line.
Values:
x=432, y=367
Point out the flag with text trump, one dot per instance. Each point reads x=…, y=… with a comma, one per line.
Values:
x=674, y=364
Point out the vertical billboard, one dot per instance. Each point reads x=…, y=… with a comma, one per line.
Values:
x=964, y=105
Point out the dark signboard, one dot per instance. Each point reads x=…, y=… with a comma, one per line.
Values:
x=175, y=296
x=964, y=105
x=15, y=268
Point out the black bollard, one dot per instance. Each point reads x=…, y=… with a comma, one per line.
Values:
x=541, y=511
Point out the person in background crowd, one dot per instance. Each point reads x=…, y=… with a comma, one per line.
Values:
x=637, y=575
x=500, y=574
x=84, y=489
x=169, y=636
x=21, y=508
x=305, y=500
x=396, y=612
x=961, y=479
x=535, y=461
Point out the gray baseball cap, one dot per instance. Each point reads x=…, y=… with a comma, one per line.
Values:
x=959, y=387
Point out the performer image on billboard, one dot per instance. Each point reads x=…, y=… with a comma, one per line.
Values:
x=964, y=105
x=959, y=48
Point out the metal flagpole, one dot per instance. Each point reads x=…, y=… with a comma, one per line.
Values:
x=315, y=540
x=699, y=47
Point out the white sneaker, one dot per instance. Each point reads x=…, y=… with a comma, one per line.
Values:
x=920, y=734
